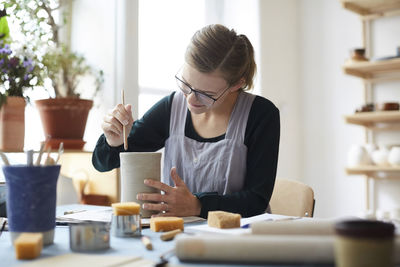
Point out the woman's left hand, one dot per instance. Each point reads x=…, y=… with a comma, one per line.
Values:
x=177, y=200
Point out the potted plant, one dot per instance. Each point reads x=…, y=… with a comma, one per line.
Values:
x=18, y=73
x=64, y=114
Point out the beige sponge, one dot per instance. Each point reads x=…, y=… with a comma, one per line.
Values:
x=223, y=219
x=165, y=224
x=126, y=208
x=28, y=245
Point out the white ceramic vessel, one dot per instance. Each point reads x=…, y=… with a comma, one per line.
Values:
x=394, y=156
x=380, y=157
x=357, y=156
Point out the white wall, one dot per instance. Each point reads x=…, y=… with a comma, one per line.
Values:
x=328, y=32
x=304, y=44
x=279, y=65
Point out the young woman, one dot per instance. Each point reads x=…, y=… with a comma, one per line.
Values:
x=221, y=143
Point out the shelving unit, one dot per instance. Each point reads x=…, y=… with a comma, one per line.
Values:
x=371, y=170
x=372, y=7
x=371, y=119
x=373, y=72
x=374, y=69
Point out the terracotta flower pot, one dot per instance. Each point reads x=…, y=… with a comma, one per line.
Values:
x=12, y=124
x=64, y=120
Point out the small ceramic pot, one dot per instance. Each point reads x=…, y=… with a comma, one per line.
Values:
x=357, y=156
x=387, y=106
x=394, y=156
x=358, y=54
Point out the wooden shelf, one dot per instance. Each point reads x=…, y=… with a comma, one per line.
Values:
x=371, y=7
x=371, y=119
x=371, y=169
x=374, y=69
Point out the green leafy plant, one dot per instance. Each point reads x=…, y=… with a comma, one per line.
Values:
x=40, y=23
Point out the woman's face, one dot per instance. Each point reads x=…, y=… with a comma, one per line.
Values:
x=205, y=84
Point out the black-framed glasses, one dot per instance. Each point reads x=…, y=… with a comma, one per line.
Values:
x=202, y=97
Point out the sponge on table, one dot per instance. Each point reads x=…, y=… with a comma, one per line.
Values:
x=158, y=224
x=28, y=245
x=223, y=219
x=126, y=208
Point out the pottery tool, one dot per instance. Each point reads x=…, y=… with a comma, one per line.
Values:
x=123, y=126
x=29, y=157
x=147, y=242
x=3, y=225
x=39, y=158
x=4, y=158
x=170, y=235
x=164, y=258
x=60, y=152
x=49, y=160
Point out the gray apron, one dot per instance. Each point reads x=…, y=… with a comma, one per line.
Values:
x=208, y=166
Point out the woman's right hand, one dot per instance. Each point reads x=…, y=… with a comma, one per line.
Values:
x=113, y=123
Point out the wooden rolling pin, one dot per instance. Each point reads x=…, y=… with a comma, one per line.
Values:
x=260, y=248
x=255, y=248
x=294, y=227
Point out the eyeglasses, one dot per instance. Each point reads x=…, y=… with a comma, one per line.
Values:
x=202, y=97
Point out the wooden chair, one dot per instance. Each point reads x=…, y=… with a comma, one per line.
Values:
x=292, y=198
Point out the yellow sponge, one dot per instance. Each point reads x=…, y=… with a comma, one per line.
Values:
x=126, y=208
x=223, y=219
x=28, y=245
x=158, y=224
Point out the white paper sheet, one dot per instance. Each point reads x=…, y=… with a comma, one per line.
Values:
x=244, y=223
x=105, y=214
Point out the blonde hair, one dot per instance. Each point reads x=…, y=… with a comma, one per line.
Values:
x=216, y=48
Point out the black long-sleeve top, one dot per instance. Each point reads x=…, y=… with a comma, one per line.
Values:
x=261, y=138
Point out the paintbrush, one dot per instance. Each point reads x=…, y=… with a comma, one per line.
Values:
x=123, y=126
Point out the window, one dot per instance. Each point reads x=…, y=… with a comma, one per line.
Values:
x=165, y=29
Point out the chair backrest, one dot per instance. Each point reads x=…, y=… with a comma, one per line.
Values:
x=292, y=198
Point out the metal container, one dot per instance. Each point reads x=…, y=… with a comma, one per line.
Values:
x=126, y=225
x=89, y=236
